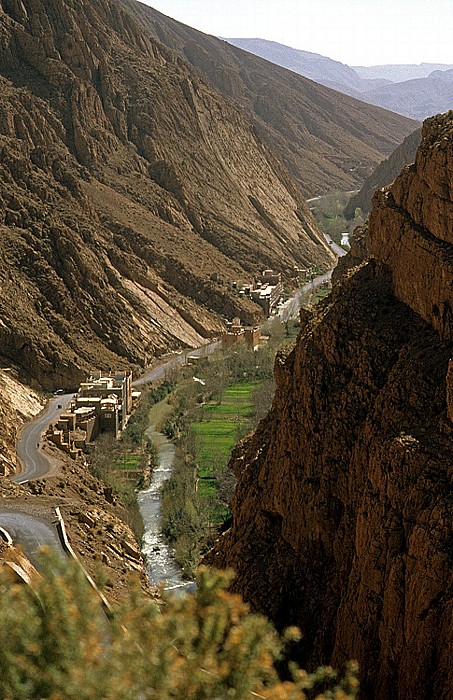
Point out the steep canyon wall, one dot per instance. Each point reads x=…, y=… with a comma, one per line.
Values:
x=341, y=517
x=131, y=196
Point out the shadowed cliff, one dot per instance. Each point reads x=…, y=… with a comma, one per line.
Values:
x=342, y=521
x=384, y=174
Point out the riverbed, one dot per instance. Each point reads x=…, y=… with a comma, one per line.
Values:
x=162, y=569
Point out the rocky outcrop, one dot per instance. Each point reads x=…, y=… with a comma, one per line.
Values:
x=17, y=405
x=341, y=516
x=126, y=188
x=384, y=174
x=413, y=221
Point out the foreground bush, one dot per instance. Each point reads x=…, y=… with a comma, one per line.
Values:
x=57, y=643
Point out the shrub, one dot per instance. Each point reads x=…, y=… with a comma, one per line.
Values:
x=56, y=644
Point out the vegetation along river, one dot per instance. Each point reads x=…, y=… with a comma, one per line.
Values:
x=162, y=569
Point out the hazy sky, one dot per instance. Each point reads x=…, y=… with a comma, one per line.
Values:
x=357, y=32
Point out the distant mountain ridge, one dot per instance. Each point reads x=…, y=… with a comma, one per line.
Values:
x=398, y=73
x=416, y=91
x=326, y=140
x=319, y=68
x=419, y=97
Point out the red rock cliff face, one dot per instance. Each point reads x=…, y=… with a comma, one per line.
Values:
x=413, y=222
x=341, y=520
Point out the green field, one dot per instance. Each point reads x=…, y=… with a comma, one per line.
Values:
x=128, y=461
x=323, y=293
x=207, y=488
x=217, y=431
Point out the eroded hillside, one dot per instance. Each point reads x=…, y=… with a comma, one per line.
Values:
x=342, y=520
x=131, y=195
x=17, y=406
x=326, y=139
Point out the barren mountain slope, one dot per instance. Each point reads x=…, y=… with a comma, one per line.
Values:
x=342, y=522
x=384, y=174
x=418, y=98
x=415, y=96
x=127, y=186
x=327, y=140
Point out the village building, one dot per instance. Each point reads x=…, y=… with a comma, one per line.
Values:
x=103, y=403
x=106, y=386
x=236, y=333
x=302, y=274
x=269, y=292
x=345, y=239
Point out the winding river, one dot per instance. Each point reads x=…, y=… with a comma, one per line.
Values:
x=161, y=566
x=162, y=569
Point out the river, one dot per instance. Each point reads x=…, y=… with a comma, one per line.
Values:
x=162, y=569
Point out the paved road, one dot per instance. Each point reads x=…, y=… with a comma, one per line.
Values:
x=30, y=531
x=34, y=463
x=33, y=532
x=171, y=361
x=338, y=250
x=290, y=309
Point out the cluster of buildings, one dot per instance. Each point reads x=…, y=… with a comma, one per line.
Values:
x=102, y=404
x=266, y=291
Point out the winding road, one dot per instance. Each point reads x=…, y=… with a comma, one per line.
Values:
x=174, y=360
x=25, y=528
x=32, y=531
x=34, y=463
x=28, y=529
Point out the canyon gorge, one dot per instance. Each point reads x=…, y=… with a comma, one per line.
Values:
x=144, y=168
x=134, y=191
x=342, y=515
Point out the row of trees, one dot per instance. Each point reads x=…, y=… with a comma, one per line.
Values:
x=58, y=643
x=188, y=517
x=107, y=452
x=329, y=214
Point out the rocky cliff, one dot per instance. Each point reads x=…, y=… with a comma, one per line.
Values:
x=341, y=513
x=131, y=196
x=384, y=174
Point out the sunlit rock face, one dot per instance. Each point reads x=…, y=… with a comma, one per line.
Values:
x=131, y=196
x=327, y=140
x=341, y=520
x=384, y=174
x=411, y=226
